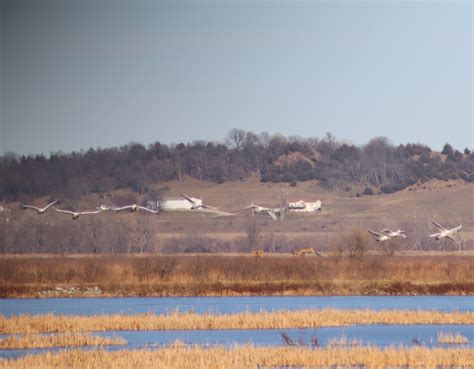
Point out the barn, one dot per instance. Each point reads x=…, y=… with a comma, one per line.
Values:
x=305, y=206
x=178, y=203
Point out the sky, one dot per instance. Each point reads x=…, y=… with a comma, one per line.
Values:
x=79, y=74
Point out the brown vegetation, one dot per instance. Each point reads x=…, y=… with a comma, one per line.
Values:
x=306, y=251
x=136, y=275
x=281, y=319
x=30, y=341
x=247, y=356
x=451, y=338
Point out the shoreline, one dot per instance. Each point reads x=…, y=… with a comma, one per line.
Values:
x=237, y=289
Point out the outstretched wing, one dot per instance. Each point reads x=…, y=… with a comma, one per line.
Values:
x=272, y=214
x=91, y=212
x=149, y=210
x=375, y=233
x=123, y=208
x=439, y=226
x=251, y=206
x=453, y=239
x=188, y=198
x=47, y=206
x=65, y=211
x=208, y=207
x=29, y=207
x=456, y=229
x=434, y=235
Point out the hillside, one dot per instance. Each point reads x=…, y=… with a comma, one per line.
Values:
x=448, y=202
x=377, y=166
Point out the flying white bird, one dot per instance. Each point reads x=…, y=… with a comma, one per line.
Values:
x=379, y=237
x=448, y=233
x=194, y=205
x=273, y=213
x=39, y=210
x=135, y=207
x=397, y=233
x=77, y=214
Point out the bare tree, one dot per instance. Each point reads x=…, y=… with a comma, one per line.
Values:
x=253, y=233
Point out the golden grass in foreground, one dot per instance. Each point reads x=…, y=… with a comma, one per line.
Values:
x=452, y=338
x=247, y=356
x=244, y=320
x=26, y=341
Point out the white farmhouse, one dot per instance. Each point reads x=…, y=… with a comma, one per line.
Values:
x=178, y=203
x=305, y=206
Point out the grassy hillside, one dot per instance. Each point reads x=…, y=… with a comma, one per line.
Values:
x=413, y=209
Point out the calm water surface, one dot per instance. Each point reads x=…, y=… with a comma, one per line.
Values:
x=379, y=335
x=160, y=305
x=376, y=335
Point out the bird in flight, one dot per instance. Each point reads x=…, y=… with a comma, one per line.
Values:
x=397, y=233
x=39, y=210
x=446, y=233
x=195, y=205
x=379, y=237
x=134, y=208
x=263, y=210
x=77, y=214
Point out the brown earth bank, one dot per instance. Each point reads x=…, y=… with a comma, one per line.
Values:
x=233, y=275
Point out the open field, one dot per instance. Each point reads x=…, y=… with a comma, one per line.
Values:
x=25, y=341
x=50, y=323
x=232, y=275
x=246, y=356
x=413, y=209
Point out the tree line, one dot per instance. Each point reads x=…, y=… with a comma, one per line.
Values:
x=338, y=165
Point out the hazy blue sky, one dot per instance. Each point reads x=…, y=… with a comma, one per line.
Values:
x=80, y=74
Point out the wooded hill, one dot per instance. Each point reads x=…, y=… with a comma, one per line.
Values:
x=377, y=165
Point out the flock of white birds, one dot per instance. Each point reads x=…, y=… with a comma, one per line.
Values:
x=384, y=235
x=387, y=234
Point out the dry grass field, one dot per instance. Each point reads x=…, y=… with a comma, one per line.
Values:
x=246, y=356
x=232, y=275
x=413, y=209
x=51, y=323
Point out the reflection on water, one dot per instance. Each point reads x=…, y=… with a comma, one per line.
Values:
x=377, y=335
x=159, y=305
x=380, y=335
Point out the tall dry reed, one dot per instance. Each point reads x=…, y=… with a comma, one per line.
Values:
x=245, y=320
x=160, y=275
x=247, y=356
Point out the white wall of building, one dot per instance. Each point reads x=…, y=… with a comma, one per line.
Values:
x=305, y=206
x=178, y=204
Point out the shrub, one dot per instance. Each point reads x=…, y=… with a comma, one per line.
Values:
x=368, y=191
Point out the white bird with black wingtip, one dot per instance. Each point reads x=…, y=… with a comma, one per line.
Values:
x=446, y=233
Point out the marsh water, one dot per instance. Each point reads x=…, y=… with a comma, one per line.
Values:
x=377, y=335
x=222, y=305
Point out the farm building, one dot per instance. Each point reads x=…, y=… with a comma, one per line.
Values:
x=305, y=206
x=178, y=203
